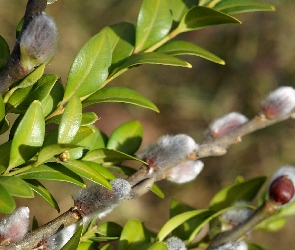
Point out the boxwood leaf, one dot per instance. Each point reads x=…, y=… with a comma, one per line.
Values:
x=107, y=247
x=180, y=7
x=126, y=138
x=85, y=170
x=2, y=111
x=244, y=191
x=74, y=242
x=16, y=186
x=157, y=191
x=4, y=52
x=175, y=48
x=134, y=233
x=149, y=58
x=101, y=170
x=5, y=153
x=103, y=155
x=88, y=246
x=253, y=246
x=90, y=67
x=158, y=246
x=70, y=121
x=28, y=137
x=154, y=22
x=7, y=204
x=5, y=126
x=43, y=192
x=241, y=6
x=119, y=94
x=88, y=118
x=200, y=17
x=110, y=229
x=52, y=171
x=122, y=39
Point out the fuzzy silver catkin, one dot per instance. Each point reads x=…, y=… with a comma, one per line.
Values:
x=38, y=42
x=168, y=150
x=175, y=243
x=97, y=201
x=279, y=102
x=14, y=226
x=226, y=123
x=185, y=172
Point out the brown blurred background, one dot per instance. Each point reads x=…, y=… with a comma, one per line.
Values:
x=259, y=55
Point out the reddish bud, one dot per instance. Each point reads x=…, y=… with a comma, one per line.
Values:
x=226, y=123
x=279, y=102
x=282, y=186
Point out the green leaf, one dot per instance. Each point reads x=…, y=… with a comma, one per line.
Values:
x=245, y=191
x=149, y=58
x=74, y=242
x=200, y=17
x=22, y=98
x=180, y=7
x=119, y=94
x=28, y=137
x=55, y=96
x=5, y=126
x=35, y=224
x=88, y=118
x=272, y=224
x=87, y=246
x=90, y=67
x=126, y=138
x=153, y=23
x=178, y=220
x=110, y=229
x=19, y=28
x=5, y=153
x=158, y=246
x=157, y=191
x=133, y=234
x=43, y=192
x=108, y=155
x=70, y=121
x=107, y=247
x=253, y=246
x=101, y=170
x=122, y=39
x=4, y=52
x=52, y=171
x=16, y=186
x=7, y=204
x=85, y=170
x=241, y=6
x=175, y=48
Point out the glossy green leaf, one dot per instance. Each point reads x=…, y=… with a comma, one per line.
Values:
x=70, y=121
x=149, y=58
x=43, y=192
x=119, y=94
x=253, y=246
x=7, y=204
x=200, y=17
x=19, y=28
x=272, y=224
x=153, y=23
x=50, y=151
x=177, y=220
x=108, y=155
x=35, y=223
x=55, y=96
x=245, y=191
x=123, y=169
x=133, y=234
x=107, y=247
x=157, y=191
x=87, y=246
x=28, y=137
x=90, y=67
x=122, y=39
x=101, y=170
x=5, y=153
x=5, y=126
x=180, y=7
x=158, y=246
x=241, y=6
x=2, y=169
x=52, y=171
x=110, y=229
x=16, y=186
x=88, y=118
x=85, y=170
x=4, y=52
x=74, y=242
x=2, y=111
x=22, y=98
x=175, y=48
x=126, y=138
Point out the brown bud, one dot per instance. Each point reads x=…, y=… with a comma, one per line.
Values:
x=281, y=190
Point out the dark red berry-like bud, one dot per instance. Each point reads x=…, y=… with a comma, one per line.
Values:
x=281, y=190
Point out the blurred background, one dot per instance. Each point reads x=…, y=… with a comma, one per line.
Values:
x=259, y=55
